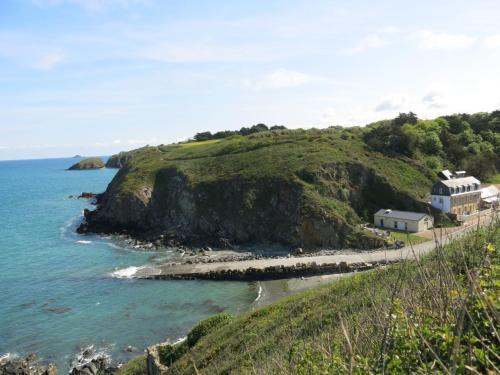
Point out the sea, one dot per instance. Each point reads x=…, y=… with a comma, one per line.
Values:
x=62, y=293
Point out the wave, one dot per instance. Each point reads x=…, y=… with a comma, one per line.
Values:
x=84, y=242
x=7, y=357
x=126, y=273
x=259, y=293
x=89, y=353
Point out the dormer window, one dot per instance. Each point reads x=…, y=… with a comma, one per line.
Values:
x=452, y=191
x=468, y=187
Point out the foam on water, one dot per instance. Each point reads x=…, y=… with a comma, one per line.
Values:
x=84, y=242
x=127, y=273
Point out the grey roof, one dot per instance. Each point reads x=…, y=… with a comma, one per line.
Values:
x=489, y=192
x=455, y=182
x=403, y=215
x=446, y=174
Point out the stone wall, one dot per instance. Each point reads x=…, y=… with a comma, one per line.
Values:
x=154, y=366
x=274, y=272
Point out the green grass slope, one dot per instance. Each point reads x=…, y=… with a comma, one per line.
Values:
x=322, y=176
x=437, y=315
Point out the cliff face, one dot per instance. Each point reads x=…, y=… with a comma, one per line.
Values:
x=118, y=160
x=280, y=193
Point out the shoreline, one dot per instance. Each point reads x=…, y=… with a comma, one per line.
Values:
x=246, y=266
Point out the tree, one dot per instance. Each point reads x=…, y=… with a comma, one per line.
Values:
x=204, y=136
x=405, y=118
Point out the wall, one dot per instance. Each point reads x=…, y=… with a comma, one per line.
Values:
x=413, y=225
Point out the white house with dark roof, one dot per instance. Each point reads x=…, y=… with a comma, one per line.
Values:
x=403, y=220
x=457, y=195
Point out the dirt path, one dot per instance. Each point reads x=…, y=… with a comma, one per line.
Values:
x=442, y=236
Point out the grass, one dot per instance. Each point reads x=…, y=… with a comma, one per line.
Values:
x=136, y=366
x=435, y=315
x=408, y=238
x=199, y=143
x=494, y=179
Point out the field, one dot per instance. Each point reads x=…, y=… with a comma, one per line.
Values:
x=408, y=238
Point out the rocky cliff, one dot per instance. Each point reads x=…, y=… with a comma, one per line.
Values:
x=289, y=187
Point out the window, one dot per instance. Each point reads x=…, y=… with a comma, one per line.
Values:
x=382, y=223
x=406, y=226
x=440, y=200
x=396, y=224
x=468, y=187
x=452, y=191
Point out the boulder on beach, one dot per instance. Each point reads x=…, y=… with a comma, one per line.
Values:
x=86, y=164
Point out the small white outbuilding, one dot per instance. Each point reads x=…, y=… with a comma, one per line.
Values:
x=403, y=220
x=490, y=196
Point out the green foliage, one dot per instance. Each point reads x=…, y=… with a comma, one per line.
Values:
x=207, y=325
x=171, y=353
x=463, y=141
x=204, y=136
x=436, y=315
x=136, y=366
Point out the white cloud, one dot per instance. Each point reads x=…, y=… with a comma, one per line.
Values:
x=442, y=41
x=434, y=99
x=391, y=103
x=29, y=51
x=367, y=43
x=279, y=79
x=492, y=41
x=49, y=60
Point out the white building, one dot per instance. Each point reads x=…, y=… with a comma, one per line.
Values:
x=490, y=196
x=403, y=220
x=456, y=195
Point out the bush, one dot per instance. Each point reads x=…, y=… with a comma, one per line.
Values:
x=136, y=366
x=205, y=326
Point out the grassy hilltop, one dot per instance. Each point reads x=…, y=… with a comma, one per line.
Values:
x=308, y=188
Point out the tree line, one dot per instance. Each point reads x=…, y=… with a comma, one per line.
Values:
x=461, y=141
x=205, y=136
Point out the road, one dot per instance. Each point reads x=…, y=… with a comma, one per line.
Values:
x=441, y=236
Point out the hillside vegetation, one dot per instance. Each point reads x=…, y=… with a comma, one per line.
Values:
x=435, y=315
x=307, y=188
x=89, y=163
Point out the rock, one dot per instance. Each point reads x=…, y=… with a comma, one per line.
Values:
x=128, y=349
x=86, y=164
x=87, y=195
x=97, y=366
x=25, y=366
x=118, y=160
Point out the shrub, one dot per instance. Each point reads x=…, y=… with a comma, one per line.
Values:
x=205, y=326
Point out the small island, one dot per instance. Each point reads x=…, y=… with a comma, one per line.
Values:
x=87, y=164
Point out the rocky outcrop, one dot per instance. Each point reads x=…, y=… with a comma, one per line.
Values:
x=86, y=164
x=154, y=365
x=117, y=160
x=97, y=366
x=25, y=366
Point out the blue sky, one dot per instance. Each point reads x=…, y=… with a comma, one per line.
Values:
x=94, y=77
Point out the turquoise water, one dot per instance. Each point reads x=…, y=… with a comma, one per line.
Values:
x=57, y=292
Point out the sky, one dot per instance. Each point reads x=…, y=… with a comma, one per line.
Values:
x=94, y=77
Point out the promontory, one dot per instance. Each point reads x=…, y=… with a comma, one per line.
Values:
x=85, y=164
